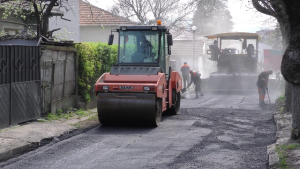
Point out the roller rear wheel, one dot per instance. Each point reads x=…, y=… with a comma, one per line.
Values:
x=174, y=110
x=156, y=119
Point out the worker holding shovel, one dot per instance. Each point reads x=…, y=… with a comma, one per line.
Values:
x=195, y=78
x=262, y=85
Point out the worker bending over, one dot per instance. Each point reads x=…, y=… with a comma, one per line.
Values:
x=195, y=78
x=185, y=69
x=262, y=85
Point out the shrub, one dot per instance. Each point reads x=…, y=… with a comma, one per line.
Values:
x=94, y=59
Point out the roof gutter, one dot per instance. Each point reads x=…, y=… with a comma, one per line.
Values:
x=107, y=25
x=18, y=23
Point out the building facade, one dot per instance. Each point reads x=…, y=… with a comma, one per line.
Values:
x=96, y=24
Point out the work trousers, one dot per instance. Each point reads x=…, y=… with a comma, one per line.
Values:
x=197, y=87
x=262, y=94
x=186, y=80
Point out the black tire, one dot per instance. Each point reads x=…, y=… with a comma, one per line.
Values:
x=102, y=119
x=157, y=114
x=174, y=110
x=177, y=106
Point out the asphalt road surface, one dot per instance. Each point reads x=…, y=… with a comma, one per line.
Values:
x=215, y=131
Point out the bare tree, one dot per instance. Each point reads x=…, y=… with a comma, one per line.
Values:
x=42, y=9
x=148, y=11
x=213, y=17
x=287, y=15
x=132, y=8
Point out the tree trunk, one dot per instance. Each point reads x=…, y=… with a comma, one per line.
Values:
x=290, y=66
x=46, y=16
x=295, y=112
x=284, y=29
x=288, y=97
x=45, y=26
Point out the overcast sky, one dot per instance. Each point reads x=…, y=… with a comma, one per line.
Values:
x=245, y=21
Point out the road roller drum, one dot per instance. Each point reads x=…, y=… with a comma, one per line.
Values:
x=126, y=107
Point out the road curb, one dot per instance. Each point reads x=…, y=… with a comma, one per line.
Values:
x=27, y=146
x=15, y=152
x=283, y=126
x=273, y=156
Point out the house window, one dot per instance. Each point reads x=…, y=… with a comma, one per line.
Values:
x=11, y=31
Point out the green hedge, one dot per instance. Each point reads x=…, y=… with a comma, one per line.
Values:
x=94, y=60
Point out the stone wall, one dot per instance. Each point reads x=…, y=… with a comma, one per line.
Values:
x=58, y=78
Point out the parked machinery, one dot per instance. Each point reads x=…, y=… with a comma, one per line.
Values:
x=141, y=86
x=236, y=56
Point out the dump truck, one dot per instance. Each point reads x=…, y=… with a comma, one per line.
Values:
x=142, y=85
x=236, y=56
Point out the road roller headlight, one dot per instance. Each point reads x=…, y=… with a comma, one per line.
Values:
x=148, y=88
x=105, y=88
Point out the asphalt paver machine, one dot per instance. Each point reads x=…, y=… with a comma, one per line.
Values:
x=236, y=54
x=142, y=85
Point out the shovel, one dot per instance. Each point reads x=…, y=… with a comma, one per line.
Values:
x=268, y=96
x=183, y=90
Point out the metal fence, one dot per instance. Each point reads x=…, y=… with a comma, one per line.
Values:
x=19, y=84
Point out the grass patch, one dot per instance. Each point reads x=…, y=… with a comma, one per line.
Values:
x=94, y=117
x=282, y=153
x=83, y=124
x=41, y=120
x=281, y=98
x=281, y=109
x=282, y=114
x=77, y=125
x=280, y=102
x=60, y=115
x=82, y=113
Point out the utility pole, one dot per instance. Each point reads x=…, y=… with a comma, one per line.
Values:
x=194, y=37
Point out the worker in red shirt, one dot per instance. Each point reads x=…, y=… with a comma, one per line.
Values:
x=195, y=78
x=185, y=69
x=262, y=85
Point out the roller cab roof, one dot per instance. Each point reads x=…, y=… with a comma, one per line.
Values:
x=234, y=35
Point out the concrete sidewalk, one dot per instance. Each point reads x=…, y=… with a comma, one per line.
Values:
x=20, y=139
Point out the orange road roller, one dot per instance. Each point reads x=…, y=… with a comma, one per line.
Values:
x=142, y=85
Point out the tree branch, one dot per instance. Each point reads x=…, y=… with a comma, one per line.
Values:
x=280, y=9
x=262, y=9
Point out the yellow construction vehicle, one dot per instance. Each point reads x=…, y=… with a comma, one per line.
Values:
x=236, y=54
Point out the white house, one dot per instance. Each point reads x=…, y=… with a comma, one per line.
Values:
x=183, y=50
x=79, y=22
x=96, y=23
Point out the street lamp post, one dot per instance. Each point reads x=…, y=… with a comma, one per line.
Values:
x=194, y=36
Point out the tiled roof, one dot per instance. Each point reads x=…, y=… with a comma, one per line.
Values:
x=92, y=15
x=185, y=35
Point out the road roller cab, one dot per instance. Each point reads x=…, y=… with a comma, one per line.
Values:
x=141, y=86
